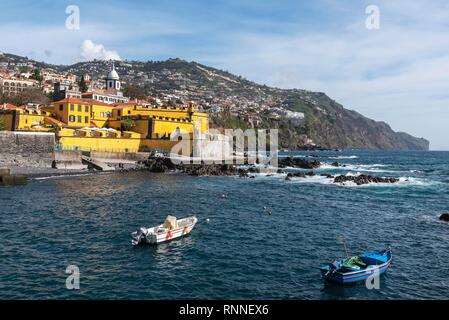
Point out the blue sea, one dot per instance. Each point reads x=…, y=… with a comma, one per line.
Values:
x=237, y=250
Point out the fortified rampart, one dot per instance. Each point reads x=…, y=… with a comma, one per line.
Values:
x=33, y=149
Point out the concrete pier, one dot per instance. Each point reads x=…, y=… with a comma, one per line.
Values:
x=8, y=179
x=98, y=165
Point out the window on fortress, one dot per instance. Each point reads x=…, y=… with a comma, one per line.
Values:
x=80, y=119
x=86, y=108
x=86, y=119
x=61, y=107
x=72, y=119
x=101, y=114
x=79, y=108
x=72, y=107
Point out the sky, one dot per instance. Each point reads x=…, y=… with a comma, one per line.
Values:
x=397, y=73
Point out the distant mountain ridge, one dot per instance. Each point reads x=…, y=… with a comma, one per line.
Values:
x=234, y=101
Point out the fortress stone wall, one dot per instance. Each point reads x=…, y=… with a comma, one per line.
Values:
x=32, y=149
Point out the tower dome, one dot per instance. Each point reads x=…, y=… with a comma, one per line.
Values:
x=113, y=75
x=113, y=80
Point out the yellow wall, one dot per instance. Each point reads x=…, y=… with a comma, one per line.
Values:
x=73, y=114
x=115, y=144
x=202, y=121
x=27, y=121
x=24, y=120
x=100, y=144
x=163, y=122
x=101, y=114
x=160, y=128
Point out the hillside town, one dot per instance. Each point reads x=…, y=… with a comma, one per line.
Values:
x=305, y=119
x=90, y=117
x=156, y=82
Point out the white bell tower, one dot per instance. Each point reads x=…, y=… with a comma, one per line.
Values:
x=113, y=80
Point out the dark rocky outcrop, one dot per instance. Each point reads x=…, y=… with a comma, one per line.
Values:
x=335, y=164
x=214, y=170
x=299, y=175
x=298, y=163
x=444, y=217
x=159, y=164
x=364, y=179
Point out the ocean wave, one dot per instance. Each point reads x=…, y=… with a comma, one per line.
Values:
x=357, y=167
x=403, y=181
x=344, y=157
x=63, y=176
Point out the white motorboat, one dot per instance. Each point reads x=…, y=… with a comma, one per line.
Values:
x=171, y=229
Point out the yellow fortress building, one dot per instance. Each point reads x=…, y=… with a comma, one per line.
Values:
x=90, y=125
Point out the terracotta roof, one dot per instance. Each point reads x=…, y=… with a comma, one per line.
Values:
x=83, y=101
x=9, y=106
x=51, y=119
x=72, y=100
x=98, y=103
x=125, y=104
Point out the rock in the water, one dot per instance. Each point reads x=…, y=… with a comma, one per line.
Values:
x=159, y=164
x=327, y=175
x=298, y=163
x=214, y=170
x=364, y=179
x=243, y=173
x=300, y=175
x=335, y=164
x=444, y=217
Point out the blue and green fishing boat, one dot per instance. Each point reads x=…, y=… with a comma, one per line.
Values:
x=357, y=268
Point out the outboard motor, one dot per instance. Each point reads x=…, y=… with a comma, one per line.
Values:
x=140, y=236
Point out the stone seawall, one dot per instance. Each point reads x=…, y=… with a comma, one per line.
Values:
x=120, y=157
x=69, y=160
x=30, y=149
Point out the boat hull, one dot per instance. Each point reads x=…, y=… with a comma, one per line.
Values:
x=174, y=234
x=158, y=234
x=354, y=277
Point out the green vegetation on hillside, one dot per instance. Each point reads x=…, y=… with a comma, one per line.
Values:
x=227, y=121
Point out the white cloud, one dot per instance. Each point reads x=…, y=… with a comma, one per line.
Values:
x=90, y=51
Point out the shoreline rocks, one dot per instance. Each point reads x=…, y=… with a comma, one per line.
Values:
x=300, y=175
x=444, y=217
x=364, y=179
x=298, y=163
